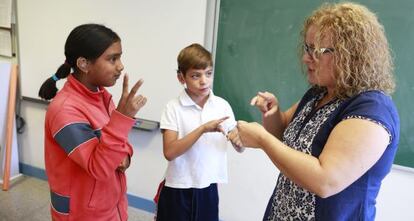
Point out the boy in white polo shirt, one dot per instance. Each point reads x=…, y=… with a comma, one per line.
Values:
x=193, y=125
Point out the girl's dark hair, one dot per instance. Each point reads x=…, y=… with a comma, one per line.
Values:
x=88, y=41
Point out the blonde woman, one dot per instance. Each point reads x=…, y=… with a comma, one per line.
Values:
x=334, y=147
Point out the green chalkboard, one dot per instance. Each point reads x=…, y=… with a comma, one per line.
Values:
x=257, y=50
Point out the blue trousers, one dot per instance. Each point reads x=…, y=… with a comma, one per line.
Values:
x=188, y=204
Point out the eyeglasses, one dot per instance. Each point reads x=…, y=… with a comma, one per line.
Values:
x=311, y=50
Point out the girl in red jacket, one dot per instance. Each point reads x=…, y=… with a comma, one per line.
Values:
x=86, y=146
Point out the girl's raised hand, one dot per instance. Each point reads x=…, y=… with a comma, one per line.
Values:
x=129, y=103
x=266, y=102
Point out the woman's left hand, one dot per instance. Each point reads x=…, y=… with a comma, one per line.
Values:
x=250, y=133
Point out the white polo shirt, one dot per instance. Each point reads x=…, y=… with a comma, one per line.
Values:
x=206, y=161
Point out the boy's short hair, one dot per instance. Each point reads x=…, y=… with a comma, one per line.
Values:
x=193, y=56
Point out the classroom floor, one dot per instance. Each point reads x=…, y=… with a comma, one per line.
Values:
x=28, y=199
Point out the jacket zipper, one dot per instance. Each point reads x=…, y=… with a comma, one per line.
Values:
x=117, y=206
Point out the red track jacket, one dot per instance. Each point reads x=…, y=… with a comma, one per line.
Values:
x=85, y=141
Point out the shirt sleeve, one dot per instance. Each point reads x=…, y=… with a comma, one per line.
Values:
x=376, y=107
x=98, y=151
x=169, y=118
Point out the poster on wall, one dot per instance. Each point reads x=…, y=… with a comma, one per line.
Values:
x=5, y=43
x=5, y=13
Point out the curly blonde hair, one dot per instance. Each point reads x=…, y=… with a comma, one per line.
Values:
x=362, y=56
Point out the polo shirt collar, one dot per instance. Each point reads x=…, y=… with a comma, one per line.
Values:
x=186, y=100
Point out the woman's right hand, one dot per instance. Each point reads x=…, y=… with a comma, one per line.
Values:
x=130, y=104
x=266, y=102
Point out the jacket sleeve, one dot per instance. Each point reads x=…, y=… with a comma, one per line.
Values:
x=97, y=151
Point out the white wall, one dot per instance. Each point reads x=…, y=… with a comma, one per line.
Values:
x=152, y=33
x=395, y=200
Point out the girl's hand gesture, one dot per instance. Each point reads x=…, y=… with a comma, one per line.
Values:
x=130, y=104
x=266, y=102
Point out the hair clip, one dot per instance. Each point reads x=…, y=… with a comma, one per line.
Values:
x=55, y=78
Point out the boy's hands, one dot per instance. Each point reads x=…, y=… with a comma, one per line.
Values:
x=214, y=125
x=129, y=104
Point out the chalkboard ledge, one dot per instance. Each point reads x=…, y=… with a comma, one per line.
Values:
x=403, y=168
x=140, y=124
x=148, y=125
